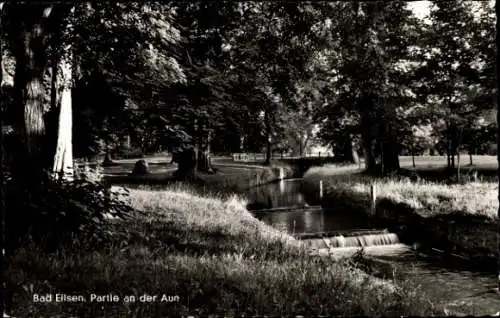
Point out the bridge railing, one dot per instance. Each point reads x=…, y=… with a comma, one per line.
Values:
x=249, y=157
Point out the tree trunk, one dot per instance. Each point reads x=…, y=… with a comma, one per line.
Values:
x=354, y=153
x=497, y=10
x=413, y=156
x=2, y=202
x=209, y=140
x=29, y=49
x=388, y=152
x=267, y=118
x=367, y=138
x=195, y=146
x=448, y=153
x=369, y=155
x=349, y=153
x=301, y=150
x=63, y=158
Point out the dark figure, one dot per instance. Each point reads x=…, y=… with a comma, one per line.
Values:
x=107, y=162
x=188, y=165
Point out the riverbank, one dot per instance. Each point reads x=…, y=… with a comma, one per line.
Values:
x=229, y=177
x=206, y=255
x=458, y=219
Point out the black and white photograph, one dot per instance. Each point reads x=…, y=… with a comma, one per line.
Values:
x=249, y=158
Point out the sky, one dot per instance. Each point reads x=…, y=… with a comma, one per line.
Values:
x=419, y=8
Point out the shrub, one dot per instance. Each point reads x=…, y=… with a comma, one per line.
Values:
x=52, y=213
x=141, y=167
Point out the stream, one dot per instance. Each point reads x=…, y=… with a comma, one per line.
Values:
x=461, y=290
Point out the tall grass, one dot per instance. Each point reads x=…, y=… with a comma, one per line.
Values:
x=430, y=198
x=475, y=198
x=213, y=255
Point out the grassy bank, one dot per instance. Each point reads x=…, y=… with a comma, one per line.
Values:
x=210, y=256
x=234, y=177
x=460, y=217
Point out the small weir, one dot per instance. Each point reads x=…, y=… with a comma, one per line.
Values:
x=364, y=240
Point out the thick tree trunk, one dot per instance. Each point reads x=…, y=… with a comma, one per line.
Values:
x=2, y=202
x=63, y=158
x=367, y=136
x=29, y=49
x=497, y=10
x=348, y=150
x=390, y=155
x=369, y=154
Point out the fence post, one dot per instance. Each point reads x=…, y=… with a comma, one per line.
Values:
x=321, y=189
x=373, y=197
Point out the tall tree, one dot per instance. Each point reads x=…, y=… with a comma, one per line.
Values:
x=449, y=68
x=373, y=39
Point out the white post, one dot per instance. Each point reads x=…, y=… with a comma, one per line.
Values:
x=373, y=197
x=282, y=173
x=321, y=189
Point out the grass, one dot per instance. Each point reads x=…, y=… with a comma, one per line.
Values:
x=429, y=198
x=457, y=217
x=213, y=255
x=475, y=198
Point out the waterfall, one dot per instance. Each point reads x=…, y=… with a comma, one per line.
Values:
x=364, y=240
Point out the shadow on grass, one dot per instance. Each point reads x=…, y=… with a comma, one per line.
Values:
x=449, y=175
x=205, y=240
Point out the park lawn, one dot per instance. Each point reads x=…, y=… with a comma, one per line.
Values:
x=433, y=162
x=214, y=256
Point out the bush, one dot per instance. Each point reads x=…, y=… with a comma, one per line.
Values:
x=141, y=167
x=53, y=213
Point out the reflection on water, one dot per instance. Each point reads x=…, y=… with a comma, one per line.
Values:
x=287, y=193
x=281, y=194
x=312, y=221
